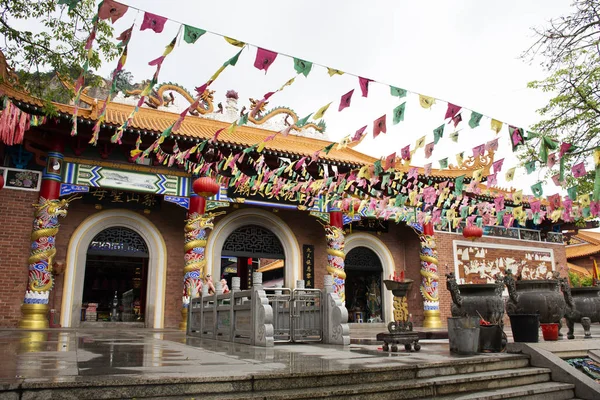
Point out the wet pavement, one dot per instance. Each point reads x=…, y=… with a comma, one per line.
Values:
x=84, y=355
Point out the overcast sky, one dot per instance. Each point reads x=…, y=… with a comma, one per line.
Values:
x=466, y=52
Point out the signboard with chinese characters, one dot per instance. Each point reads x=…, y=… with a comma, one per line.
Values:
x=370, y=225
x=112, y=198
x=138, y=181
x=308, y=265
x=21, y=179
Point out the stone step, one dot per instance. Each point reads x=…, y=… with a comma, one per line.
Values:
x=538, y=391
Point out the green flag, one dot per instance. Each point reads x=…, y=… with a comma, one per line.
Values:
x=302, y=67
x=233, y=60
x=475, y=119
x=191, y=34
x=397, y=92
x=444, y=163
x=530, y=166
x=378, y=168
x=537, y=189
x=438, y=133
x=596, y=194
x=399, y=113
x=243, y=119
x=71, y=3
x=327, y=149
x=302, y=122
x=458, y=184
x=572, y=192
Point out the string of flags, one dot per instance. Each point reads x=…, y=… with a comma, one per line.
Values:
x=113, y=10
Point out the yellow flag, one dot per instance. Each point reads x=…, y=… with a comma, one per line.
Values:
x=333, y=71
x=426, y=101
x=216, y=74
x=478, y=174
x=496, y=125
x=232, y=127
x=288, y=83
x=451, y=213
x=518, y=197
x=236, y=43
x=510, y=174
x=261, y=147
x=459, y=159
x=584, y=200
x=597, y=156
x=319, y=114
x=455, y=222
x=420, y=143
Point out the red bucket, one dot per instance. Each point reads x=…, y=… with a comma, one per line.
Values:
x=550, y=331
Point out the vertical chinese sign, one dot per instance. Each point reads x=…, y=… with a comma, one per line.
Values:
x=308, y=261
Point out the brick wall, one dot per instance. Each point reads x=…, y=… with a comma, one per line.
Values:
x=16, y=217
x=16, y=212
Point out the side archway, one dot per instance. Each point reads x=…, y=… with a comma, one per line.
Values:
x=361, y=239
x=76, y=260
x=264, y=219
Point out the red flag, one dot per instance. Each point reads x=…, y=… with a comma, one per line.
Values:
x=405, y=152
x=154, y=22
x=390, y=161
x=379, y=126
x=452, y=110
x=264, y=59
x=345, y=101
x=359, y=134
x=364, y=85
x=111, y=9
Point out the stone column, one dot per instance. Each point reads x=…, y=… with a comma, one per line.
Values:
x=197, y=226
x=429, y=278
x=45, y=227
x=334, y=234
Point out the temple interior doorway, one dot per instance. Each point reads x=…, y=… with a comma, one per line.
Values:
x=116, y=275
x=252, y=248
x=364, y=299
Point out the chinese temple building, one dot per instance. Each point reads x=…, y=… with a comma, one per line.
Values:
x=112, y=230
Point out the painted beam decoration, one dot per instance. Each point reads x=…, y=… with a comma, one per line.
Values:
x=97, y=176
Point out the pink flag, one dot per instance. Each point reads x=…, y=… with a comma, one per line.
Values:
x=405, y=152
x=452, y=110
x=267, y=95
x=201, y=89
x=578, y=170
x=492, y=145
x=264, y=59
x=499, y=203
x=492, y=180
x=556, y=180
x=358, y=134
x=346, y=99
x=390, y=161
x=457, y=119
x=154, y=22
x=551, y=160
x=594, y=208
x=413, y=173
x=536, y=206
x=111, y=9
x=427, y=169
x=478, y=150
x=379, y=126
x=554, y=201
x=564, y=147
x=429, y=149
x=497, y=165
x=364, y=86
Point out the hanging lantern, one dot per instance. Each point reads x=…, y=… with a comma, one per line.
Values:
x=472, y=232
x=428, y=229
x=206, y=187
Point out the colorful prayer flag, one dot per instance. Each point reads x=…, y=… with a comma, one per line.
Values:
x=264, y=59
x=302, y=67
x=234, y=42
x=452, y=110
x=154, y=22
x=429, y=149
x=111, y=9
x=191, y=34
x=475, y=119
x=319, y=114
x=579, y=170
x=510, y=174
x=496, y=125
x=364, y=85
x=438, y=133
x=426, y=101
x=333, y=71
x=379, y=126
x=345, y=100
x=399, y=113
x=397, y=92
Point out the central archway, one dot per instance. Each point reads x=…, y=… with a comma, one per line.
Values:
x=238, y=219
x=76, y=262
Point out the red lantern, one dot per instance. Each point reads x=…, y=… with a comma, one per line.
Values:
x=472, y=232
x=428, y=229
x=206, y=187
x=1, y=182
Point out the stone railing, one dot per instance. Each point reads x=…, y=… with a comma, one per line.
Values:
x=511, y=233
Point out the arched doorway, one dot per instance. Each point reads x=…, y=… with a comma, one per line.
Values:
x=364, y=299
x=264, y=219
x=116, y=275
x=72, y=298
x=253, y=248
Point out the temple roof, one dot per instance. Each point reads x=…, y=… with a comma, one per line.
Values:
x=584, y=243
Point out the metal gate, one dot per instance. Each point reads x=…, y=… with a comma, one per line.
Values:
x=297, y=314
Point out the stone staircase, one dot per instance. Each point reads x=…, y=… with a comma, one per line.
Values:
x=504, y=377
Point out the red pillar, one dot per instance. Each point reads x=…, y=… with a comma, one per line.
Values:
x=334, y=234
x=45, y=228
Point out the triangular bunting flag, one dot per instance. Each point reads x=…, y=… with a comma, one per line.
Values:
x=475, y=119
x=399, y=113
x=345, y=100
x=397, y=92
x=302, y=67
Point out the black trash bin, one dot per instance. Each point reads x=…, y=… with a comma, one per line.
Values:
x=525, y=327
